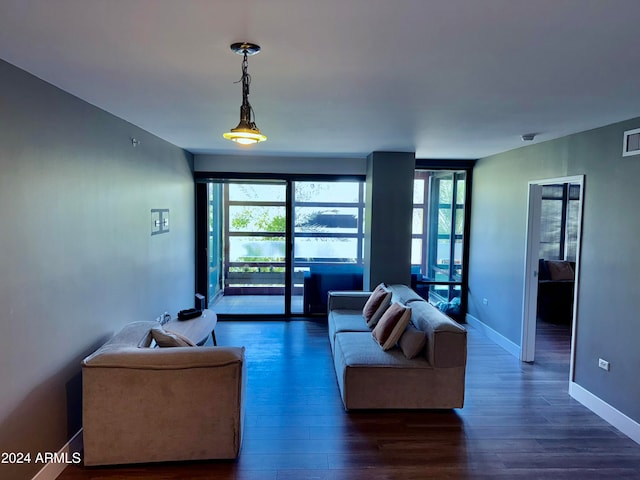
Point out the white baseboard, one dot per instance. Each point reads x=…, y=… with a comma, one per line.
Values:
x=494, y=336
x=52, y=470
x=615, y=417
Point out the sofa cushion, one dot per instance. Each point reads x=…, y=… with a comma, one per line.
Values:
x=165, y=338
x=357, y=349
x=346, y=321
x=412, y=342
x=390, y=327
x=376, y=305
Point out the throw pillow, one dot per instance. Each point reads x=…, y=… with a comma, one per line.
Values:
x=165, y=338
x=181, y=337
x=560, y=270
x=412, y=341
x=390, y=327
x=376, y=305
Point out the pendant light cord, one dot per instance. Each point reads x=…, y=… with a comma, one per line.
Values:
x=246, y=81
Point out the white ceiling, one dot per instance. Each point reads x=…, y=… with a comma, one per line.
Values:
x=443, y=78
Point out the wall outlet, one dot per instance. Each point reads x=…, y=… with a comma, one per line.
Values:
x=485, y=301
x=603, y=364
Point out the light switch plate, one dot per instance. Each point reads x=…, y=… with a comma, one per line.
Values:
x=159, y=220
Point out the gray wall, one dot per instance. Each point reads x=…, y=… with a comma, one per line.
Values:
x=388, y=218
x=280, y=165
x=607, y=312
x=77, y=260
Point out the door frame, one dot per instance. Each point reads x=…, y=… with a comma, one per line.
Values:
x=529, y=310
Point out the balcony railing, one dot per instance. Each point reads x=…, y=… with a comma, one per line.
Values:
x=242, y=278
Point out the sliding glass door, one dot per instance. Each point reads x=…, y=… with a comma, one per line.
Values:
x=275, y=247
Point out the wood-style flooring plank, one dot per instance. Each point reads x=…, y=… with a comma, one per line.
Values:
x=519, y=421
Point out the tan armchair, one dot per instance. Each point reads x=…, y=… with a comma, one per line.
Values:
x=144, y=404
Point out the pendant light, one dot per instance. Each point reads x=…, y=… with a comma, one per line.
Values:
x=246, y=133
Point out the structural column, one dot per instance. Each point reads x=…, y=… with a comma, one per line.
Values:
x=388, y=218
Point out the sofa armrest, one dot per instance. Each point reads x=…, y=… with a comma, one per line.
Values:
x=446, y=338
x=347, y=300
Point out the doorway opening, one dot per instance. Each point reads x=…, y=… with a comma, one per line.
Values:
x=552, y=266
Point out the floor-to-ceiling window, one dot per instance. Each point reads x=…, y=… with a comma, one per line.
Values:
x=438, y=264
x=328, y=236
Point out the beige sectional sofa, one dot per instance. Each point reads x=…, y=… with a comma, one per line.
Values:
x=370, y=378
x=143, y=404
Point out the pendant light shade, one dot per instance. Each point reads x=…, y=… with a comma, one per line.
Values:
x=246, y=133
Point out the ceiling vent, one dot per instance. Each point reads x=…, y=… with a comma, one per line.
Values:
x=631, y=144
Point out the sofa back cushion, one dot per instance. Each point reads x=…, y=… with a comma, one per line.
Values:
x=446, y=339
x=376, y=305
x=403, y=294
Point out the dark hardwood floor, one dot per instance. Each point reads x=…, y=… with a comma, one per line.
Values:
x=518, y=421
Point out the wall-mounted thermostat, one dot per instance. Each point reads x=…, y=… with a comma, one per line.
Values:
x=631, y=143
